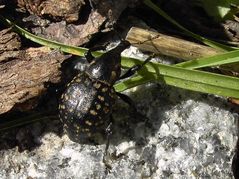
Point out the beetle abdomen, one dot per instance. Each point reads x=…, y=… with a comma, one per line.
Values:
x=85, y=106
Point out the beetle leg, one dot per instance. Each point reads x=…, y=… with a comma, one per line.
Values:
x=127, y=100
x=134, y=69
x=108, y=131
x=88, y=55
x=130, y=102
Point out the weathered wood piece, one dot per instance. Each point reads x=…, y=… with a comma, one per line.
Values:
x=168, y=45
x=24, y=72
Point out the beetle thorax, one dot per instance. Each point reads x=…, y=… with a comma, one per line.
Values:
x=105, y=69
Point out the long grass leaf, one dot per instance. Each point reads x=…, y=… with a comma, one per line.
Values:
x=4, y=125
x=42, y=41
x=183, y=78
x=216, y=60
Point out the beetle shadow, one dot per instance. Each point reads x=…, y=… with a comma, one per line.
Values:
x=154, y=101
x=137, y=126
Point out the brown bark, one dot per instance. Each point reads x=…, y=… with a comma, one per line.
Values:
x=24, y=72
x=72, y=24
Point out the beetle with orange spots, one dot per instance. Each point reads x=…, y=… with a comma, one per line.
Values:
x=85, y=107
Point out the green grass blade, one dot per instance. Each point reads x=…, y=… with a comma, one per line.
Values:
x=180, y=83
x=211, y=43
x=52, y=44
x=183, y=78
x=8, y=124
x=216, y=60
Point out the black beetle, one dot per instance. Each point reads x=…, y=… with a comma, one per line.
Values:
x=86, y=105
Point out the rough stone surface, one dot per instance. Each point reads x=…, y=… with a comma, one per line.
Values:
x=188, y=135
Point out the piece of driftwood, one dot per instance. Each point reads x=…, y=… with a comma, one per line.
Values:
x=168, y=45
x=24, y=72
